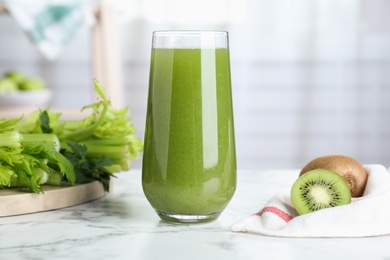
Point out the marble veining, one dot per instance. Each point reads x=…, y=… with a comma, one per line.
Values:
x=122, y=225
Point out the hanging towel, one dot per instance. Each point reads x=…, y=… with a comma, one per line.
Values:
x=366, y=216
x=50, y=25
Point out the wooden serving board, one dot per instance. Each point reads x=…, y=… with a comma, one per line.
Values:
x=16, y=202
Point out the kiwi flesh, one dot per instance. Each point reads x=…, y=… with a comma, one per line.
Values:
x=348, y=168
x=319, y=189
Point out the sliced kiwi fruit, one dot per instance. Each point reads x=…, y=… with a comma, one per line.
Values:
x=348, y=168
x=319, y=189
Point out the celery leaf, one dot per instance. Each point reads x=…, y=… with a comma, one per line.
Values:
x=88, y=169
x=45, y=122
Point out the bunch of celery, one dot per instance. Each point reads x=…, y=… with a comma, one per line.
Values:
x=104, y=140
x=30, y=160
x=106, y=132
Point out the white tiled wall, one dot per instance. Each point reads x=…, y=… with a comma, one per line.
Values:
x=308, y=80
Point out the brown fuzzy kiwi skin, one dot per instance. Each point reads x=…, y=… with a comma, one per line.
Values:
x=348, y=168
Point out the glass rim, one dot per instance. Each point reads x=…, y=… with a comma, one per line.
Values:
x=190, y=39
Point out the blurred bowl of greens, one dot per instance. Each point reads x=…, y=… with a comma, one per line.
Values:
x=20, y=90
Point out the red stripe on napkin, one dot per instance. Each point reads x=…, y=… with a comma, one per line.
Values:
x=278, y=212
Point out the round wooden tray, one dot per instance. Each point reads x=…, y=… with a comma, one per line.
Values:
x=16, y=202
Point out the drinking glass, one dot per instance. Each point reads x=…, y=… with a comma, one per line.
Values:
x=189, y=158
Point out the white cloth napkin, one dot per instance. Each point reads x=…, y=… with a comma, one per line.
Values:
x=368, y=215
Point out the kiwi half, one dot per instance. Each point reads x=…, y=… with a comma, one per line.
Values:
x=319, y=189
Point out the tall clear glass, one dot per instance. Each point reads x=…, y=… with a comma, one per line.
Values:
x=189, y=158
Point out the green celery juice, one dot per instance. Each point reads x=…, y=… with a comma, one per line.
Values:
x=189, y=161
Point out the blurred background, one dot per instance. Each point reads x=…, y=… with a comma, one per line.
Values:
x=310, y=77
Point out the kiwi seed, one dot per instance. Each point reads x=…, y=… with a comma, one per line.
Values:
x=348, y=168
x=319, y=189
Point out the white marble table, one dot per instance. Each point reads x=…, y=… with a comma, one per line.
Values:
x=122, y=225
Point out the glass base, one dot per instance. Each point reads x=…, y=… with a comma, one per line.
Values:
x=184, y=218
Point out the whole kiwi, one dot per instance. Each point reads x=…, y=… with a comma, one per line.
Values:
x=348, y=168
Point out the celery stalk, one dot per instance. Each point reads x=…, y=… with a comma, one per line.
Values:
x=50, y=140
x=110, y=151
x=6, y=174
x=11, y=139
x=46, y=146
x=106, y=141
x=114, y=168
x=54, y=179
